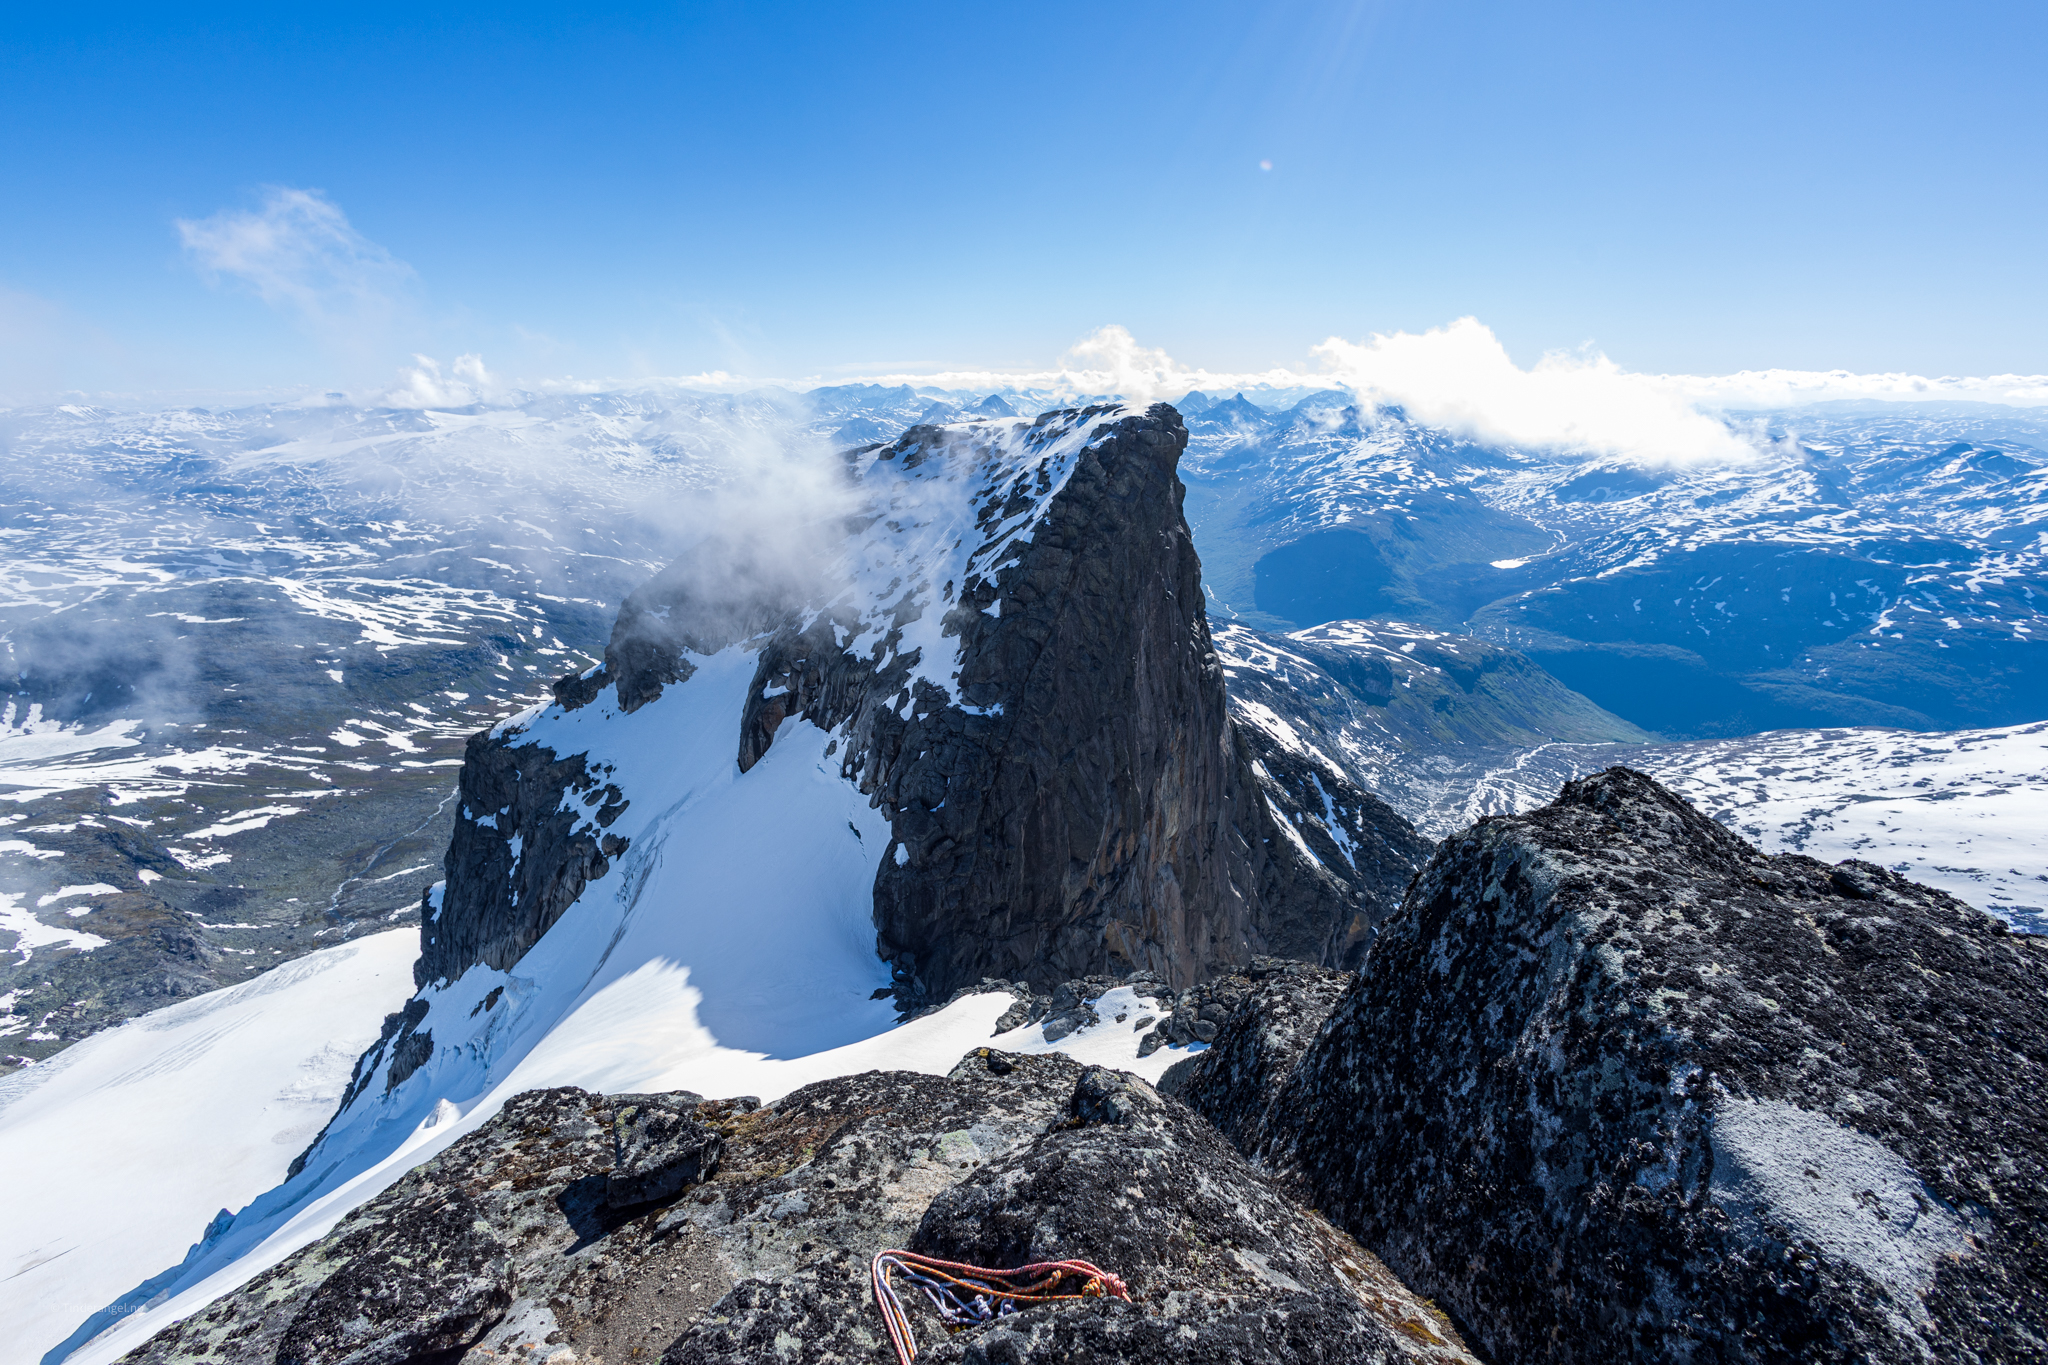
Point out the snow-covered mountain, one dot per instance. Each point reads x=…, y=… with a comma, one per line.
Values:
x=243, y=650
x=1870, y=566
x=977, y=731
x=1450, y=729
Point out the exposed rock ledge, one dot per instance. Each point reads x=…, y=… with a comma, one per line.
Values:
x=1615, y=1086
x=511, y=1243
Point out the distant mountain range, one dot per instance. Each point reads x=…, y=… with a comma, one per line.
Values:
x=243, y=648
x=1872, y=566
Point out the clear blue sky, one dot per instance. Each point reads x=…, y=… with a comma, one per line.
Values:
x=787, y=189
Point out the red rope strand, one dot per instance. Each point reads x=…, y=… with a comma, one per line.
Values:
x=968, y=1294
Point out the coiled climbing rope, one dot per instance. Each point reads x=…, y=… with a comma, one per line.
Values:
x=966, y=1295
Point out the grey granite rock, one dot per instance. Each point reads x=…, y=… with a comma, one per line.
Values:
x=1615, y=1086
x=506, y=1245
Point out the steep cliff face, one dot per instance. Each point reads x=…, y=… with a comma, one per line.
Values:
x=1010, y=654
x=1615, y=1086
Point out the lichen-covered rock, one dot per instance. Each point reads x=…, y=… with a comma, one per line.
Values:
x=1327, y=1328
x=507, y=1243
x=658, y=1147
x=1220, y=1265
x=1615, y=1086
x=429, y=1268
x=1236, y=1081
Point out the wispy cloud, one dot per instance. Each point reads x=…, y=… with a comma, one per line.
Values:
x=1462, y=379
x=1789, y=388
x=299, y=253
x=422, y=384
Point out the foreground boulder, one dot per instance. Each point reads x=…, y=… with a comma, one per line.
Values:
x=1616, y=1086
x=658, y=1148
x=515, y=1242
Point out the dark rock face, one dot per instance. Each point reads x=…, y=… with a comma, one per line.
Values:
x=502, y=896
x=1108, y=820
x=1344, y=828
x=658, y=1147
x=508, y=1238
x=1086, y=805
x=1102, y=815
x=1237, y=1081
x=1616, y=1086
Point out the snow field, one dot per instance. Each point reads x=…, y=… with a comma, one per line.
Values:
x=116, y=1152
x=1964, y=810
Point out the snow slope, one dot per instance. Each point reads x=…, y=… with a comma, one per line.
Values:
x=218, y=1092
x=731, y=948
x=1965, y=810
x=1962, y=810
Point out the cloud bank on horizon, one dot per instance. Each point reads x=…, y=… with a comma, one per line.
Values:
x=298, y=252
x=1458, y=377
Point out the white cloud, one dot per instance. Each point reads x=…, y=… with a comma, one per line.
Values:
x=1107, y=361
x=1110, y=360
x=299, y=253
x=423, y=385
x=1461, y=378
x=1457, y=377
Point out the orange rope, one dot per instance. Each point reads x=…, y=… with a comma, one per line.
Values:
x=970, y=1294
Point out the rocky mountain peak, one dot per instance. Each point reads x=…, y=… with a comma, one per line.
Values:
x=1003, y=647
x=1614, y=1085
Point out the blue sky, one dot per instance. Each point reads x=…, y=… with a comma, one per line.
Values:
x=799, y=190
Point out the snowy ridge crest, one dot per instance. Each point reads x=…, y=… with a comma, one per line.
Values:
x=945, y=511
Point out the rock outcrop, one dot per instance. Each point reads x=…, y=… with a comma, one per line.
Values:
x=1074, y=799
x=507, y=1245
x=521, y=854
x=1615, y=1086
x=1237, y=1081
x=658, y=1148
